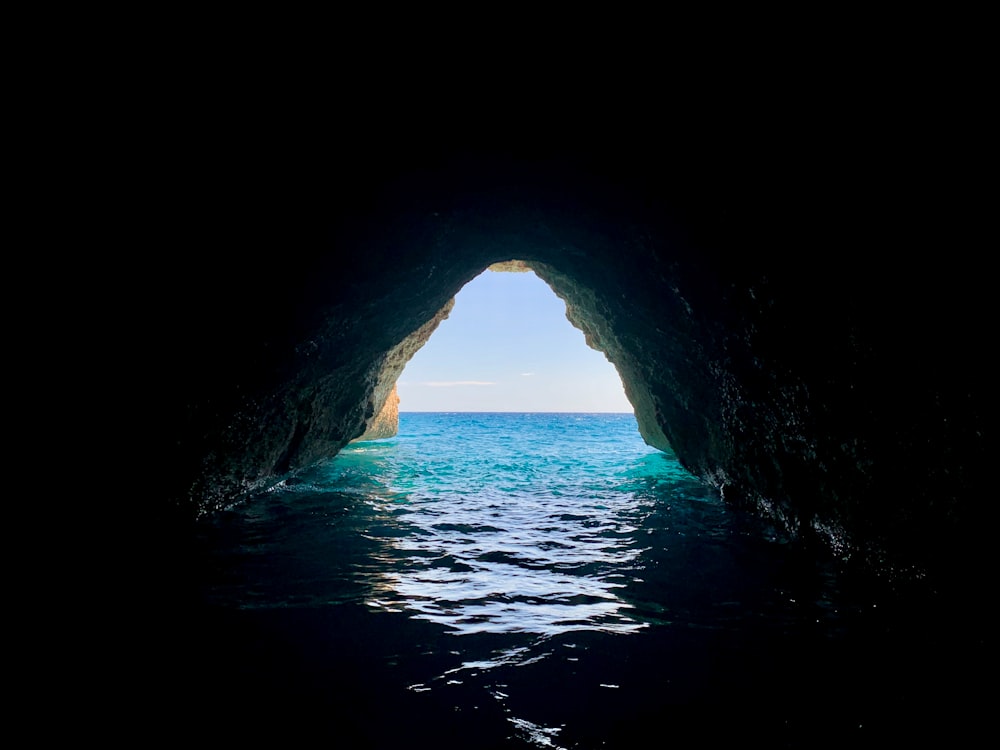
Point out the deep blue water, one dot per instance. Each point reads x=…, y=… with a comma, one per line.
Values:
x=545, y=581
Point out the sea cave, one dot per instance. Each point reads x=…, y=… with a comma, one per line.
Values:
x=807, y=341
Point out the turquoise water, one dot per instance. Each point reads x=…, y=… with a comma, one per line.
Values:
x=539, y=580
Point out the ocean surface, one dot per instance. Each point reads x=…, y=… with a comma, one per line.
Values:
x=489, y=580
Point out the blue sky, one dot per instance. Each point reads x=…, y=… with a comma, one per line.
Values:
x=507, y=346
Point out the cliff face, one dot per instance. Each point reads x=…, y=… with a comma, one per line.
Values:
x=788, y=338
x=385, y=423
x=383, y=419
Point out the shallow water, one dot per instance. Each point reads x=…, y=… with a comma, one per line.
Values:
x=544, y=580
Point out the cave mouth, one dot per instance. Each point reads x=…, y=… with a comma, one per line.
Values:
x=516, y=514
x=727, y=616
x=508, y=345
x=514, y=473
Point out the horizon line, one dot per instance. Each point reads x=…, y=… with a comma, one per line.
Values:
x=508, y=411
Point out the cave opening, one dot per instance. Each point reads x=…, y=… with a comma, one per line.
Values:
x=508, y=346
x=515, y=490
x=709, y=300
x=427, y=567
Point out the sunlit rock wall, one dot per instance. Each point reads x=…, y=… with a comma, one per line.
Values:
x=385, y=423
x=384, y=398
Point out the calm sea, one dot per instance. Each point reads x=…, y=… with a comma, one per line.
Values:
x=543, y=581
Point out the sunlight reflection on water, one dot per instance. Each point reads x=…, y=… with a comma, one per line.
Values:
x=536, y=567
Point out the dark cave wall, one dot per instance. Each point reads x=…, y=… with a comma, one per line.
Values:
x=795, y=345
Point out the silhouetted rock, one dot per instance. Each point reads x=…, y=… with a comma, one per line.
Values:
x=804, y=328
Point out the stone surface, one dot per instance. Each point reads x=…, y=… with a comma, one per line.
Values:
x=385, y=424
x=511, y=266
x=384, y=398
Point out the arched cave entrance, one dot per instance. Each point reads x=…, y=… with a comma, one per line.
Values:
x=597, y=335
x=778, y=375
x=804, y=297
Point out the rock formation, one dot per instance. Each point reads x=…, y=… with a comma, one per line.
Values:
x=809, y=342
x=384, y=419
x=385, y=423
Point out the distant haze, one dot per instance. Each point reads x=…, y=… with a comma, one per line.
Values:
x=507, y=346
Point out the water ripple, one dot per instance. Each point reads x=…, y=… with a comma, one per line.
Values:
x=492, y=536
x=549, y=590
